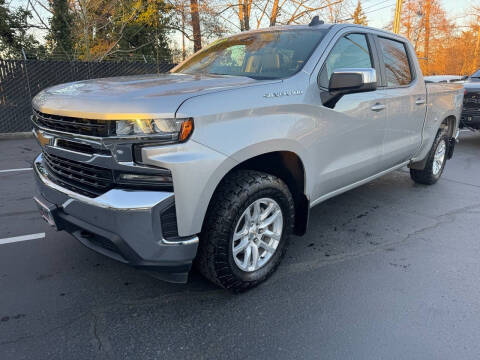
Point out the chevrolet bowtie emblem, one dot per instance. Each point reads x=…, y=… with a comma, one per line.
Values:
x=42, y=138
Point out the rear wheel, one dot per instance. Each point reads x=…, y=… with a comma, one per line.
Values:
x=435, y=162
x=246, y=230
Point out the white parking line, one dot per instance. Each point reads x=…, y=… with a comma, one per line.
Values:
x=12, y=170
x=22, y=238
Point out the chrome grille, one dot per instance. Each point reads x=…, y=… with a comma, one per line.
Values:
x=98, y=128
x=471, y=102
x=82, y=178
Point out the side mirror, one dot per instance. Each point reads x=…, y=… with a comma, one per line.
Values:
x=349, y=81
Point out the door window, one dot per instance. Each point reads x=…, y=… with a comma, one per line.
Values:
x=351, y=51
x=397, y=66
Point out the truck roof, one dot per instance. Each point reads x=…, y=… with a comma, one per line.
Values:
x=326, y=26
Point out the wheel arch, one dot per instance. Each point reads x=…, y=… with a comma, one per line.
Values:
x=289, y=167
x=450, y=124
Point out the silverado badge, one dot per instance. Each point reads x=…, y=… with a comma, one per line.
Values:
x=283, y=93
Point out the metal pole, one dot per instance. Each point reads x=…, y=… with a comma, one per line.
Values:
x=396, y=21
x=26, y=73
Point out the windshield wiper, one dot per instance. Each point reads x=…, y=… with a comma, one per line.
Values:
x=244, y=75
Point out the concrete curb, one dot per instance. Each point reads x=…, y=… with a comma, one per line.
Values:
x=17, y=135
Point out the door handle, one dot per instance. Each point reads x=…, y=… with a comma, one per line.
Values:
x=378, y=107
x=420, y=101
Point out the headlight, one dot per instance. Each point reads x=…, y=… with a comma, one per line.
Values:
x=168, y=129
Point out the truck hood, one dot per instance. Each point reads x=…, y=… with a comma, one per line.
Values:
x=127, y=97
x=471, y=99
x=472, y=85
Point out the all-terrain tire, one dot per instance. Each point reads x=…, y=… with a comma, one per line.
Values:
x=215, y=259
x=428, y=176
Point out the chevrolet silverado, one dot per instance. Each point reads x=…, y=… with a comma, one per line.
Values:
x=219, y=161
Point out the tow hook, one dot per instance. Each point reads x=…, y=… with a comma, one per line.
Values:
x=451, y=146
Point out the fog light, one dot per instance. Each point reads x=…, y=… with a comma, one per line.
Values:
x=144, y=179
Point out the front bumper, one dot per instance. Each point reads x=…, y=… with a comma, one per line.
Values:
x=122, y=224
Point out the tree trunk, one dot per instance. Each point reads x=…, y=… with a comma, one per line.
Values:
x=409, y=25
x=184, y=52
x=246, y=22
x=244, y=8
x=477, y=48
x=248, y=5
x=273, y=15
x=427, y=34
x=240, y=15
x=86, y=34
x=197, y=35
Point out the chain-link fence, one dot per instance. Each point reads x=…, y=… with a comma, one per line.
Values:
x=20, y=80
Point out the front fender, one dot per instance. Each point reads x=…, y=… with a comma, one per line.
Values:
x=224, y=123
x=196, y=172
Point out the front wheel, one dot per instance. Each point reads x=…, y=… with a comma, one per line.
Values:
x=246, y=230
x=436, y=160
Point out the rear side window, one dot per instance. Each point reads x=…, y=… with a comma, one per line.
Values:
x=397, y=66
x=351, y=51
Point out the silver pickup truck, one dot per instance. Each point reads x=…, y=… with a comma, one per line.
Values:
x=219, y=161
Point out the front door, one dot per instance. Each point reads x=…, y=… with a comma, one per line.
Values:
x=349, y=146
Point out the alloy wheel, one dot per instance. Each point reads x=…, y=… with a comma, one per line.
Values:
x=257, y=234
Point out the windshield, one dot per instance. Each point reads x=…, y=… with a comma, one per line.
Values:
x=476, y=74
x=261, y=55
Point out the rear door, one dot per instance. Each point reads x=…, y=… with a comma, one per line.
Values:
x=404, y=90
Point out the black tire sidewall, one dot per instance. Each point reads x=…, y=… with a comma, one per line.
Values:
x=440, y=136
x=425, y=176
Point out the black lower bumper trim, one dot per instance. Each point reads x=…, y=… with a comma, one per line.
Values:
x=470, y=121
x=113, y=246
x=97, y=239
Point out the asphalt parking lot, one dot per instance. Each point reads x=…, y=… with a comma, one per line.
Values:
x=390, y=270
